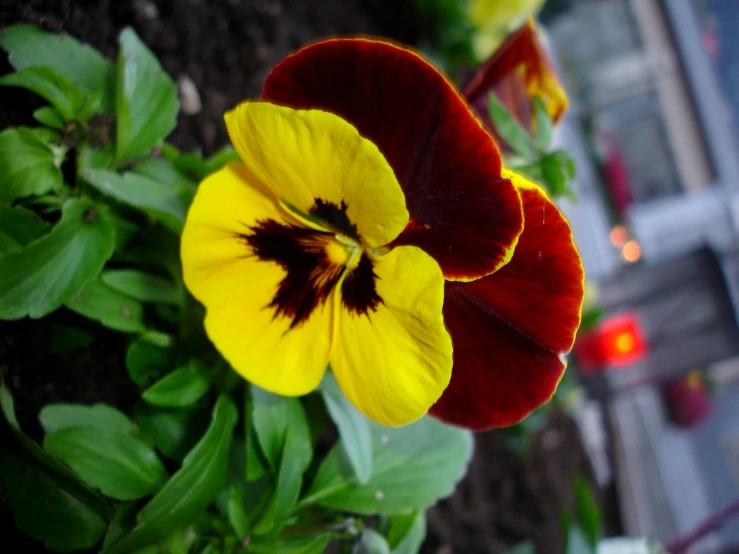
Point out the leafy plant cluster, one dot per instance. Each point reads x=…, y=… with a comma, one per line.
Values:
x=92, y=202
x=531, y=152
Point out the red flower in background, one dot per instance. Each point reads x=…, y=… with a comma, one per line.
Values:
x=512, y=314
x=516, y=73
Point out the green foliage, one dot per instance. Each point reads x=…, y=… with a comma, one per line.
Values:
x=295, y=545
x=18, y=227
x=44, y=81
x=79, y=64
x=183, y=387
x=510, y=130
x=114, y=310
x=146, y=99
x=174, y=431
x=142, y=286
x=272, y=416
x=29, y=165
x=587, y=510
x=555, y=170
x=54, y=269
x=292, y=463
x=451, y=33
x=55, y=417
x=407, y=532
x=577, y=542
x=412, y=467
x=354, y=430
x=51, y=504
x=583, y=531
x=191, y=489
x=121, y=466
x=152, y=197
x=147, y=362
x=371, y=542
x=543, y=124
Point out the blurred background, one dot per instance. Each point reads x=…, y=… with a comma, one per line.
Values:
x=642, y=438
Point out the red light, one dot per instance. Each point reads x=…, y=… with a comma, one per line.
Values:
x=618, y=341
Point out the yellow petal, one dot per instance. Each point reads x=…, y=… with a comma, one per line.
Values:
x=237, y=288
x=310, y=155
x=394, y=363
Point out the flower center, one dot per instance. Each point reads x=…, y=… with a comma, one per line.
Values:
x=315, y=262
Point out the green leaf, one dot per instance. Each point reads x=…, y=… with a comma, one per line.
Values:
x=55, y=417
x=273, y=415
x=577, y=542
x=509, y=130
x=191, y=489
x=165, y=171
x=293, y=462
x=124, y=519
x=113, y=309
x=413, y=467
x=182, y=387
x=141, y=286
x=411, y=540
x=50, y=117
x=174, y=431
x=236, y=515
x=50, y=503
x=158, y=338
x=121, y=466
x=47, y=83
x=28, y=166
x=44, y=510
x=146, y=362
x=587, y=510
x=55, y=268
x=192, y=165
x=146, y=99
x=93, y=158
x=29, y=46
x=66, y=339
x=315, y=544
x=354, y=430
x=558, y=171
x=371, y=542
x=152, y=197
x=543, y=125
x=255, y=465
x=525, y=547
x=18, y=227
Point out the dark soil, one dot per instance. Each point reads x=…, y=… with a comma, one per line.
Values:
x=504, y=499
x=226, y=47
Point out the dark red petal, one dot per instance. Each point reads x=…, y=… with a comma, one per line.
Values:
x=463, y=213
x=511, y=329
x=519, y=70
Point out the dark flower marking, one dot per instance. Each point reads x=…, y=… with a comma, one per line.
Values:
x=311, y=275
x=335, y=216
x=358, y=291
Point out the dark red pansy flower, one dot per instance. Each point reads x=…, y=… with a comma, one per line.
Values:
x=514, y=279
